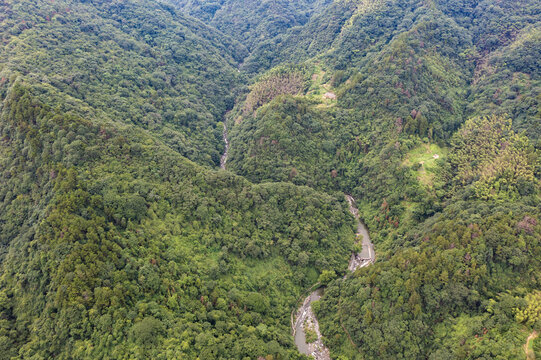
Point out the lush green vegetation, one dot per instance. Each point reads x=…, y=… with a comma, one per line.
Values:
x=140, y=62
x=432, y=187
x=115, y=246
x=119, y=238
x=252, y=22
x=458, y=285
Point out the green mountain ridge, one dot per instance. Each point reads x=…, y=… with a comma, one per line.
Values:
x=252, y=22
x=408, y=77
x=121, y=239
x=172, y=76
x=129, y=234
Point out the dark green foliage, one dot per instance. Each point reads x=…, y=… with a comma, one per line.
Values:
x=410, y=74
x=450, y=239
x=147, y=330
x=465, y=273
x=515, y=89
x=138, y=62
x=118, y=240
x=137, y=252
x=283, y=142
x=301, y=43
x=495, y=162
x=460, y=273
x=252, y=21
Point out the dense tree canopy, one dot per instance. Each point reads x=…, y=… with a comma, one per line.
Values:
x=120, y=238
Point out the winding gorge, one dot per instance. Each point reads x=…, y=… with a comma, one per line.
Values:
x=223, y=158
x=305, y=319
x=195, y=179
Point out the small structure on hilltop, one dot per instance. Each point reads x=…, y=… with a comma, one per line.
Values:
x=330, y=95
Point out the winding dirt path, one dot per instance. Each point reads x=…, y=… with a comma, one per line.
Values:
x=530, y=355
x=305, y=319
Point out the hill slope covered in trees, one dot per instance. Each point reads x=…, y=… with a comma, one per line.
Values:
x=252, y=22
x=428, y=114
x=114, y=245
x=140, y=62
x=120, y=238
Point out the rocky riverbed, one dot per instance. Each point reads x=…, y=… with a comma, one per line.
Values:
x=305, y=319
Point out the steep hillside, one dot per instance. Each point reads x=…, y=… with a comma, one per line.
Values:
x=115, y=246
x=139, y=62
x=112, y=244
x=249, y=21
x=456, y=286
x=120, y=238
x=508, y=81
x=375, y=96
x=411, y=93
x=391, y=111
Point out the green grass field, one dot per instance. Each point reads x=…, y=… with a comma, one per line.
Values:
x=423, y=160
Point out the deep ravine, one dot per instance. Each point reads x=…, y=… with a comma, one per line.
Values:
x=305, y=317
x=223, y=159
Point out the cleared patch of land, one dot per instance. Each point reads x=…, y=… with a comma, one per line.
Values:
x=422, y=159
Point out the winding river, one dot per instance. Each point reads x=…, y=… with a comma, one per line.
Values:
x=305, y=317
x=223, y=159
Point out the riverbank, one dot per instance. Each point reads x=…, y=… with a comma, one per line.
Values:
x=223, y=158
x=305, y=320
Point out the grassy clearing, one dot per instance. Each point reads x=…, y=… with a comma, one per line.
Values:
x=423, y=160
x=319, y=86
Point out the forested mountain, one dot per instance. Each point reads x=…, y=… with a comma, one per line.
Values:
x=121, y=239
x=252, y=22
x=113, y=245
x=428, y=114
x=140, y=62
x=391, y=105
